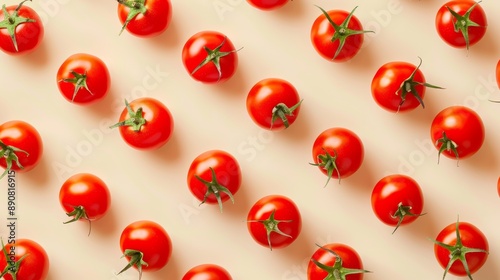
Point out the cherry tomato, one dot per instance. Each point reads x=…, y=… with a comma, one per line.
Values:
x=335, y=259
x=399, y=86
x=24, y=259
x=267, y=5
x=146, y=246
x=338, y=152
x=83, y=79
x=21, y=29
x=21, y=146
x=462, y=247
x=273, y=104
x=214, y=177
x=397, y=200
x=145, y=124
x=207, y=272
x=145, y=18
x=274, y=221
x=457, y=132
x=461, y=23
x=84, y=196
x=337, y=35
x=210, y=57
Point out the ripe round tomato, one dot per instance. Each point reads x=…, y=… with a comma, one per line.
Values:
x=31, y=257
x=84, y=196
x=145, y=18
x=83, y=79
x=21, y=29
x=337, y=35
x=210, y=57
x=267, y=5
x=145, y=124
x=462, y=245
x=21, y=146
x=335, y=259
x=214, y=177
x=461, y=23
x=338, y=152
x=399, y=86
x=274, y=221
x=397, y=200
x=146, y=246
x=457, y=132
x=273, y=104
x=207, y=272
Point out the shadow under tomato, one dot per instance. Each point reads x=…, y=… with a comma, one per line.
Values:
x=169, y=39
x=107, y=225
x=171, y=151
x=169, y=271
x=291, y=11
x=38, y=58
x=39, y=175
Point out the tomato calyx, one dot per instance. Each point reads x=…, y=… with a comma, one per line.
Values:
x=77, y=214
x=215, y=188
x=9, y=153
x=214, y=56
x=135, y=120
x=462, y=23
x=79, y=81
x=12, y=267
x=458, y=252
x=327, y=162
x=342, y=31
x=337, y=271
x=11, y=21
x=136, y=7
x=136, y=258
x=271, y=225
x=282, y=111
x=401, y=213
x=447, y=145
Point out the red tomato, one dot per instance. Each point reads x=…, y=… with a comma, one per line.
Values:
x=84, y=196
x=338, y=153
x=274, y=221
x=462, y=247
x=83, y=79
x=397, y=200
x=457, y=132
x=498, y=73
x=21, y=29
x=337, y=35
x=145, y=18
x=461, y=23
x=145, y=124
x=267, y=5
x=21, y=147
x=146, y=246
x=273, y=104
x=214, y=177
x=207, y=272
x=32, y=259
x=210, y=57
x=498, y=186
x=335, y=259
x=399, y=86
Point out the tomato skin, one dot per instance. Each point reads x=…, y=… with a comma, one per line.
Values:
x=322, y=33
x=29, y=35
x=35, y=266
x=445, y=23
x=463, y=126
x=267, y=5
x=156, y=20
x=471, y=237
x=155, y=132
x=98, y=78
x=498, y=186
x=350, y=259
x=498, y=73
x=151, y=239
x=24, y=136
x=392, y=190
x=193, y=54
x=88, y=191
x=207, y=272
x=286, y=211
x=265, y=95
